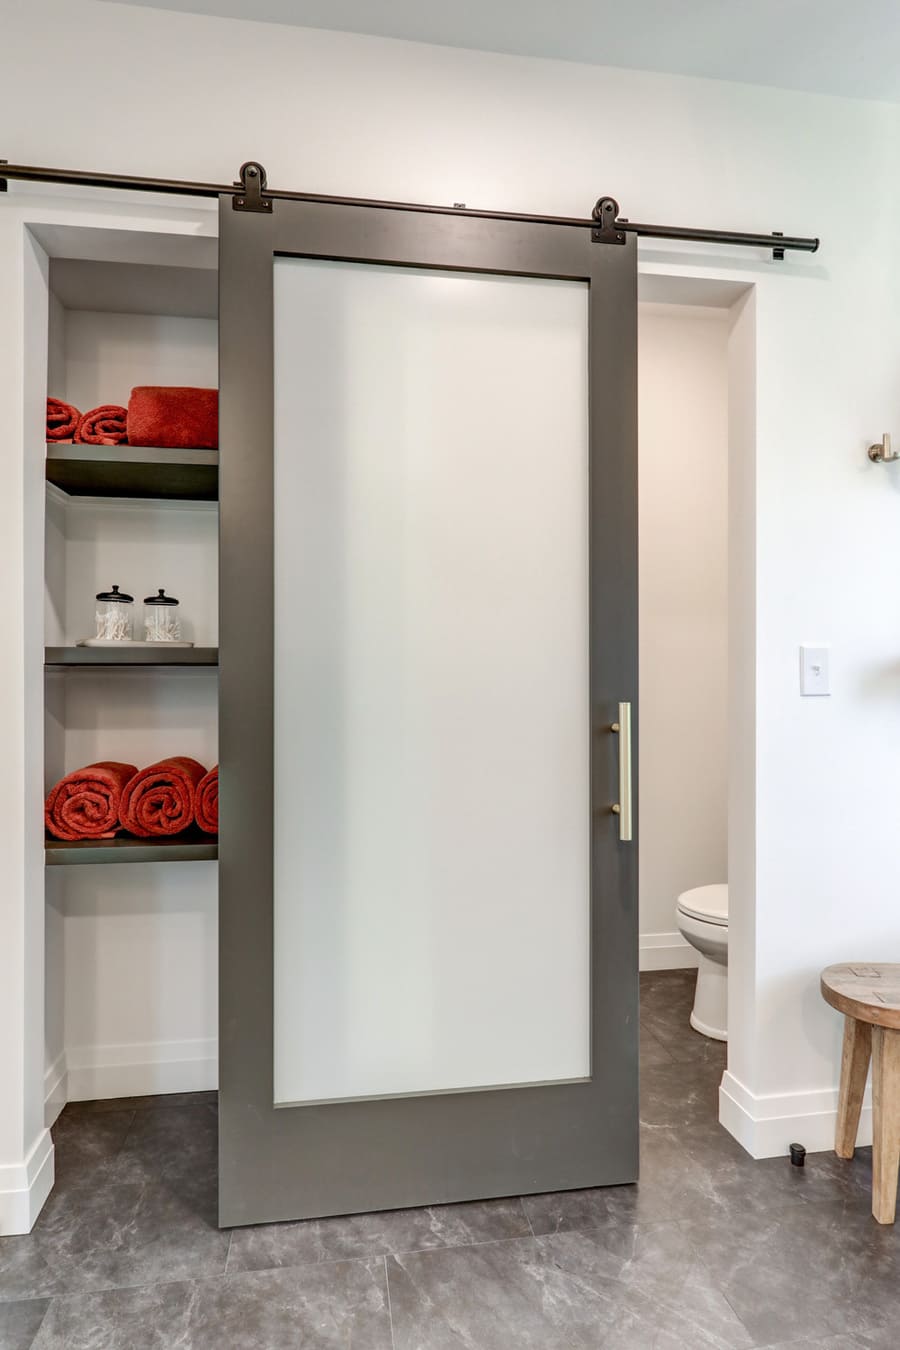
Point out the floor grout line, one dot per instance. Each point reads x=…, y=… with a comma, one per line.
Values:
x=645, y=1031
x=396, y=1252
x=128, y=1130
x=366, y=1258
x=40, y=1324
x=737, y=1315
x=387, y=1285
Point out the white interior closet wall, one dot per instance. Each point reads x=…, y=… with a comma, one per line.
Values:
x=131, y=949
x=138, y=546
x=683, y=598
x=140, y=978
x=106, y=354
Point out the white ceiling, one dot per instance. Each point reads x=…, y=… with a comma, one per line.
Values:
x=824, y=46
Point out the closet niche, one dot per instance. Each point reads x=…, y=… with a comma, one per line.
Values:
x=131, y=940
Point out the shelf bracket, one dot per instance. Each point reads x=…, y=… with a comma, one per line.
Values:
x=253, y=184
x=605, y=229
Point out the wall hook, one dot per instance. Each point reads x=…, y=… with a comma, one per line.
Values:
x=881, y=452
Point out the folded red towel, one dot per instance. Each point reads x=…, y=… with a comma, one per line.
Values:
x=206, y=806
x=183, y=418
x=160, y=799
x=85, y=804
x=62, y=420
x=102, y=426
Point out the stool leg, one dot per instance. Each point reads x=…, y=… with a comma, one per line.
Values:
x=854, y=1072
x=886, y=1122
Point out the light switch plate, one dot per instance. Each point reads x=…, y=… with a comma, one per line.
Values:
x=814, y=673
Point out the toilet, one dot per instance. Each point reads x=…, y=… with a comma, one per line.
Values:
x=702, y=918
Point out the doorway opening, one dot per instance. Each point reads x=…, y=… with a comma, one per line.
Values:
x=690, y=358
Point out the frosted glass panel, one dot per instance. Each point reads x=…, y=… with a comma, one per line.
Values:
x=431, y=681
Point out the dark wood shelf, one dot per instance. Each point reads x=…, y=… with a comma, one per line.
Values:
x=133, y=471
x=159, y=654
x=190, y=846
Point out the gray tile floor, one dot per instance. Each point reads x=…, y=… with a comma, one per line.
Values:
x=709, y=1250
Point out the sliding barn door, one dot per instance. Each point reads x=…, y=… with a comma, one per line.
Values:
x=428, y=593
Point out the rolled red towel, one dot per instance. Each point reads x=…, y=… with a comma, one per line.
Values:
x=175, y=416
x=160, y=799
x=62, y=420
x=85, y=804
x=102, y=426
x=206, y=805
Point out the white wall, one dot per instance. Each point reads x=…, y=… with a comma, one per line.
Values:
x=107, y=354
x=683, y=562
x=141, y=979
x=820, y=545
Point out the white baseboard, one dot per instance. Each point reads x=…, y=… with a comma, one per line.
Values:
x=138, y=1070
x=56, y=1089
x=665, y=951
x=766, y=1125
x=25, y=1186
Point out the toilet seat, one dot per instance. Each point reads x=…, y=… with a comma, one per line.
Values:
x=709, y=904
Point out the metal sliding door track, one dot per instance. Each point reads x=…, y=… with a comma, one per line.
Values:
x=252, y=193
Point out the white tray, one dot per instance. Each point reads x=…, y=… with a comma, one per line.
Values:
x=111, y=642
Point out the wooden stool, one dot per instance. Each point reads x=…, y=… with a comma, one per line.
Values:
x=869, y=998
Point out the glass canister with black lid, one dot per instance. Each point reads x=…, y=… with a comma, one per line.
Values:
x=161, y=618
x=114, y=616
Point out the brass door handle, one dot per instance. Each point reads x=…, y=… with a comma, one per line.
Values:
x=622, y=807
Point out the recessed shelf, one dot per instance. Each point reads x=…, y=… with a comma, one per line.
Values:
x=191, y=846
x=133, y=471
x=183, y=292
x=64, y=658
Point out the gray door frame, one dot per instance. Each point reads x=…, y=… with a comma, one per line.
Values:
x=348, y=1157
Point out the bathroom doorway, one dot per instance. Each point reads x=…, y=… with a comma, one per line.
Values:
x=685, y=333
